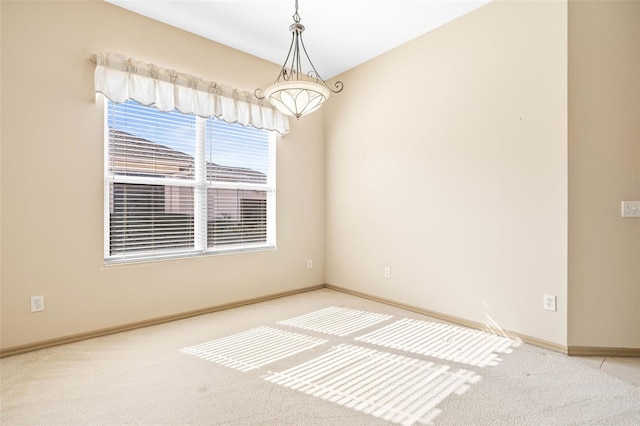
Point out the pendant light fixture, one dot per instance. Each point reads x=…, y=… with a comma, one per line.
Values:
x=294, y=92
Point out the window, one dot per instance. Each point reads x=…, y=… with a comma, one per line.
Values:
x=180, y=185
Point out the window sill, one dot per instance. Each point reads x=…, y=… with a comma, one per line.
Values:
x=146, y=258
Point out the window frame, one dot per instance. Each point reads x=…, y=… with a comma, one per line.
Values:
x=200, y=184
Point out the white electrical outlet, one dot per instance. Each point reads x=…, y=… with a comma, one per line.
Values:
x=549, y=302
x=37, y=303
x=631, y=209
x=387, y=272
x=309, y=264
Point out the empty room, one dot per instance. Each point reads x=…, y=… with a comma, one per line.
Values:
x=306, y=212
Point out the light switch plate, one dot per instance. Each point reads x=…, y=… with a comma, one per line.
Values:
x=631, y=209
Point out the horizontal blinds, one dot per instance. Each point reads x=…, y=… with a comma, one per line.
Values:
x=183, y=185
x=236, y=154
x=150, y=218
x=147, y=142
x=236, y=217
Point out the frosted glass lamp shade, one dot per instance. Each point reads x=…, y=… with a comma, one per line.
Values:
x=297, y=98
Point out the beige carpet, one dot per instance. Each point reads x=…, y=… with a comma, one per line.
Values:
x=319, y=358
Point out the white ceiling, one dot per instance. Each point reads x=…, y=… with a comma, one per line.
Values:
x=339, y=35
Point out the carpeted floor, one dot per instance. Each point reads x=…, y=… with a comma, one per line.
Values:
x=319, y=358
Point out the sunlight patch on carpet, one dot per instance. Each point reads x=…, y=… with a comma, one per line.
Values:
x=336, y=321
x=254, y=348
x=392, y=387
x=444, y=341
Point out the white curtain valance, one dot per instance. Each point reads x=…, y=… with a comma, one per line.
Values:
x=120, y=78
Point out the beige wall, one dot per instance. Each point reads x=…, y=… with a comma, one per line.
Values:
x=447, y=161
x=52, y=186
x=604, y=168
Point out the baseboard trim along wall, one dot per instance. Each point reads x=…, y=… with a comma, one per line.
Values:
x=155, y=321
x=458, y=321
x=570, y=350
x=604, y=352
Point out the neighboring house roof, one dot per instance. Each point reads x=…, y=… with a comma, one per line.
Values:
x=135, y=156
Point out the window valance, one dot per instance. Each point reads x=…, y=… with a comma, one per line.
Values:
x=120, y=78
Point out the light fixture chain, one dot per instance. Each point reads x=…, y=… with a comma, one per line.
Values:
x=296, y=16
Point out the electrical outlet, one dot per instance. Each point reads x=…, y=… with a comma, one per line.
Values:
x=387, y=272
x=631, y=209
x=37, y=303
x=549, y=302
x=309, y=264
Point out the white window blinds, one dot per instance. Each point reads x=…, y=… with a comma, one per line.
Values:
x=181, y=185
